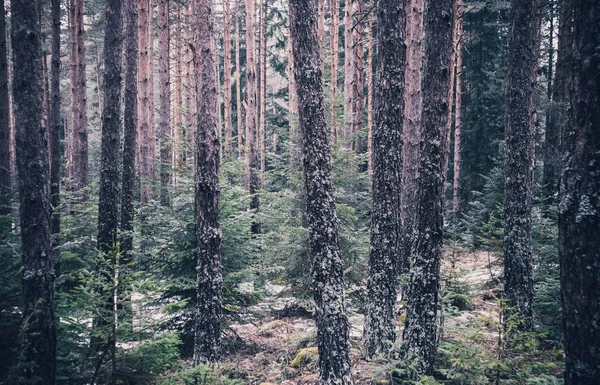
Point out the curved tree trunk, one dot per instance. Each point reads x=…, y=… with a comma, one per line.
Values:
x=38, y=330
x=579, y=240
x=420, y=328
x=207, y=343
x=380, y=321
x=327, y=270
x=518, y=255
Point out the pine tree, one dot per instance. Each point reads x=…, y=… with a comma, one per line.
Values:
x=5, y=177
x=253, y=157
x=333, y=42
x=420, y=328
x=238, y=81
x=207, y=343
x=164, y=110
x=579, y=243
x=458, y=110
x=348, y=70
x=55, y=129
x=327, y=270
x=518, y=256
x=227, y=74
x=38, y=329
x=146, y=130
x=380, y=321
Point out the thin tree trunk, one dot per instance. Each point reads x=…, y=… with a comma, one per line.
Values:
x=411, y=135
x=380, y=319
x=370, y=47
x=146, y=137
x=207, y=344
x=227, y=75
x=420, y=328
x=38, y=330
x=457, y=110
x=238, y=81
x=55, y=128
x=190, y=91
x=327, y=269
x=5, y=132
x=164, y=121
x=130, y=131
x=334, y=29
x=579, y=243
x=178, y=100
x=79, y=129
x=348, y=71
x=518, y=254
x=358, y=79
x=253, y=158
x=263, y=87
x=292, y=110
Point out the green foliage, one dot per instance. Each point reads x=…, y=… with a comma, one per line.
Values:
x=200, y=375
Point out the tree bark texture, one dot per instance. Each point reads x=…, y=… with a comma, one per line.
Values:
x=189, y=86
x=178, y=98
x=146, y=130
x=327, y=270
x=380, y=319
x=207, y=345
x=457, y=110
x=348, y=70
x=38, y=329
x=164, y=107
x=358, y=78
x=253, y=158
x=5, y=134
x=333, y=30
x=227, y=75
x=579, y=222
x=130, y=131
x=238, y=82
x=411, y=134
x=370, y=48
x=55, y=128
x=263, y=85
x=519, y=131
x=420, y=328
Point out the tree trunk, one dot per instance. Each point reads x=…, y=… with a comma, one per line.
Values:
x=263, y=87
x=370, y=95
x=190, y=88
x=380, y=319
x=579, y=243
x=238, y=82
x=348, y=71
x=178, y=99
x=5, y=135
x=164, y=121
x=207, y=344
x=420, y=328
x=358, y=79
x=333, y=30
x=253, y=158
x=457, y=110
x=412, y=129
x=327, y=269
x=55, y=128
x=38, y=330
x=130, y=131
x=518, y=256
x=227, y=75
x=146, y=137
x=292, y=110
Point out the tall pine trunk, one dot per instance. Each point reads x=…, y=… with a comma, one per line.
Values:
x=177, y=99
x=579, y=240
x=380, y=319
x=129, y=131
x=333, y=42
x=518, y=255
x=145, y=132
x=326, y=264
x=370, y=48
x=263, y=85
x=207, y=344
x=420, y=328
x=253, y=158
x=55, y=128
x=164, y=107
x=238, y=81
x=411, y=128
x=5, y=135
x=358, y=78
x=457, y=111
x=227, y=75
x=38, y=329
x=348, y=71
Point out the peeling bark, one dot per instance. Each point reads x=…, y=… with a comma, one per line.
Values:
x=326, y=266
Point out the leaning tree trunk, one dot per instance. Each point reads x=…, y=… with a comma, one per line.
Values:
x=108, y=202
x=253, y=158
x=579, y=221
x=55, y=128
x=129, y=131
x=518, y=256
x=411, y=129
x=380, y=321
x=164, y=106
x=207, y=344
x=38, y=330
x=327, y=269
x=5, y=178
x=424, y=278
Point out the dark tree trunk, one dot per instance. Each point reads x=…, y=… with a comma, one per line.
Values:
x=207, y=344
x=130, y=131
x=109, y=161
x=38, y=331
x=358, y=78
x=5, y=178
x=420, y=329
x=411, y=133
x=55, y=128
x=79, y=102
x=327, y=270
x=380, y=320
x=579, y=221
x=164, y=109
x=519, y=131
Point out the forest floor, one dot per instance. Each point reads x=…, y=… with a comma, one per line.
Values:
x=276, y=346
